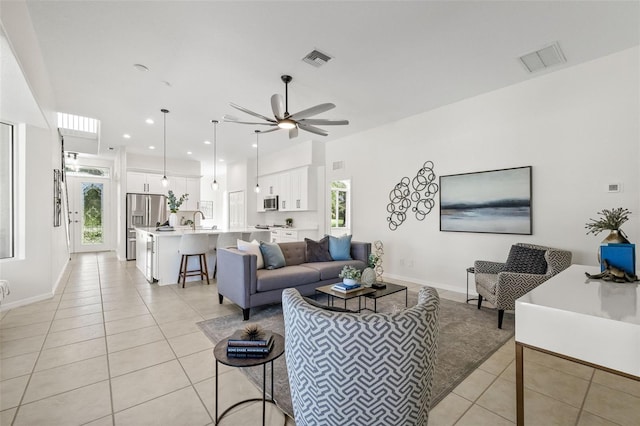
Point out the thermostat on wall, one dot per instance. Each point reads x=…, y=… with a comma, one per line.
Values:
x=614, y=187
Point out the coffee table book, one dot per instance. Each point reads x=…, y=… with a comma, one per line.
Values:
x=236, y=339
x=341, y=289
x=249, y=351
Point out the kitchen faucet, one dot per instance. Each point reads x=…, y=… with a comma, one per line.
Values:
x=193, y=223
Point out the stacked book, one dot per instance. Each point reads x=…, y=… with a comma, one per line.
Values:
x=239, y=346
x=346, y=288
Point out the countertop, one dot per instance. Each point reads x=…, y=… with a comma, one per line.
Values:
x=187, y=230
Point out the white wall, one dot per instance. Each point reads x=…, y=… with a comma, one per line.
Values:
x=40, y=265
x=577, y=127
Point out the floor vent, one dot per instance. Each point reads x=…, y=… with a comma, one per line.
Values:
x=316, y=58
x=544, y=58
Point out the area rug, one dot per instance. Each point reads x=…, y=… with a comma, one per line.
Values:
x=468, y=337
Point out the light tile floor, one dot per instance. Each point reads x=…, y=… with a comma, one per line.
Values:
x=109, y=348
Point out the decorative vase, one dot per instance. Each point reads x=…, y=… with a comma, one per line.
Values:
x=173, y=219
x=616, y=236
x=349, y=281
x=368, y=276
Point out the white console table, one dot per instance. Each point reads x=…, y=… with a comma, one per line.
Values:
x=592, y=322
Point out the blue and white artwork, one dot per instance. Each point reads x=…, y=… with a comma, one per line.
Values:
x=496, y=201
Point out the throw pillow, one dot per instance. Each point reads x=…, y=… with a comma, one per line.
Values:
x=318, y=251
x=272, y=254
x=252, y=247
x=340, y=247
x=526, y=260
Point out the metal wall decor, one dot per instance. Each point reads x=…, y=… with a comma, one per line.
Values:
x=418, y=192
x=57, y=197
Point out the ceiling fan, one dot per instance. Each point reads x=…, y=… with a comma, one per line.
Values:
x=292, y=122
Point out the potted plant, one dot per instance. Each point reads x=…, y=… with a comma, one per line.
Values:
x=611, y=220
x=349, y=275
x=174, y=205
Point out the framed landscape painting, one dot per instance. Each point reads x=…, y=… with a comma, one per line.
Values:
x=495, y=201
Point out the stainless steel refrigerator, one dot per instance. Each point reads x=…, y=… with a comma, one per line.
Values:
x=143, y=210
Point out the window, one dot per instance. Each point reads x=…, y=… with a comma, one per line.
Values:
x=7, y=205
x=340, y=204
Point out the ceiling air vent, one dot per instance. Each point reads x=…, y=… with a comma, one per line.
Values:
x=316, y=58
x=543, y=58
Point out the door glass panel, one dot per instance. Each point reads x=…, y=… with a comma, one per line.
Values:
x=92, y=224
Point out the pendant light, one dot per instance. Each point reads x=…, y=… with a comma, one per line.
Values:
x=257, y=188
x=165, y=181
x=214, y=184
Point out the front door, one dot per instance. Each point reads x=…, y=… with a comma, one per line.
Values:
x=90, y=222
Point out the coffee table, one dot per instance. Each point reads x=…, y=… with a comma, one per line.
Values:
x=389, y=289
x=220, y=353
x=332, y=295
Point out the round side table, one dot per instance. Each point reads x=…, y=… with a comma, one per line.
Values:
x=220, y=353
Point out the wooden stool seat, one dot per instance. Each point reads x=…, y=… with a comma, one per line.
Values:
x=192, y=245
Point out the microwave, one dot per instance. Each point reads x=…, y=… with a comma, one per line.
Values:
x=271, y=202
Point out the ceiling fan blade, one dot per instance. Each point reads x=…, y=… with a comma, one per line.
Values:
x=255, y=114
x=277, y=105
x=318, y=109
x=248, y=122
x=293, y=133
x=270, y=130
x=322, y=122
x=313, y=129
x=228, y=117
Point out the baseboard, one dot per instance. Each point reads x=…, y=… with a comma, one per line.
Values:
x=63, y=273
x=429, y=283
x=23, y=302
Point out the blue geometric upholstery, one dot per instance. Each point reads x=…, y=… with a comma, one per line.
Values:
x=360, y=369
x=502, y=288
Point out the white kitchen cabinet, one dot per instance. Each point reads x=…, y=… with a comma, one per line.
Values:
x=183, y=185
x=298, y=190
x=145, y=183
x=287, y=235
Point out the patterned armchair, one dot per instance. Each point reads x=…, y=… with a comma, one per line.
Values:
x=501, y=288
x=360, y=369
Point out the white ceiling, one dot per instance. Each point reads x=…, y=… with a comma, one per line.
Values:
x=392, y=59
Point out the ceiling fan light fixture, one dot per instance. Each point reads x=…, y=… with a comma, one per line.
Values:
x=286, y=124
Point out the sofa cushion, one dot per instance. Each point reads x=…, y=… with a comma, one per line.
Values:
x=273, y=257
x=252, y=247
x=294, y=252
x=330, y=270
x=290, y=276
x=526, y=260
x=318, y=251
x=340, y=247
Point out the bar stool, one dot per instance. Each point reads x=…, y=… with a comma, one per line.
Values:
x=193, y=245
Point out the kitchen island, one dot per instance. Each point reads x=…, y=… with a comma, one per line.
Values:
x=157, y=255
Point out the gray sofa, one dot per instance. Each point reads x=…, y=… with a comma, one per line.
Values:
x=248, y=287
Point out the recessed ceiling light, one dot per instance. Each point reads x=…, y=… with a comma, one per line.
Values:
x=152, y=147
x=189, y=152
x=126, y=136
x=255, y=145
x=149, y=121
x=207, y=142
x=140, y=67
x=222, y=160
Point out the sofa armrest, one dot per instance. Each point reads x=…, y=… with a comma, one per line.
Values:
x=487, y=267
x=236, y=275
x=360, y=251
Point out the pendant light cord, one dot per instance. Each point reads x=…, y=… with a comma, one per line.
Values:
x=257, y=156
x=215, y=144
x=164, y=143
